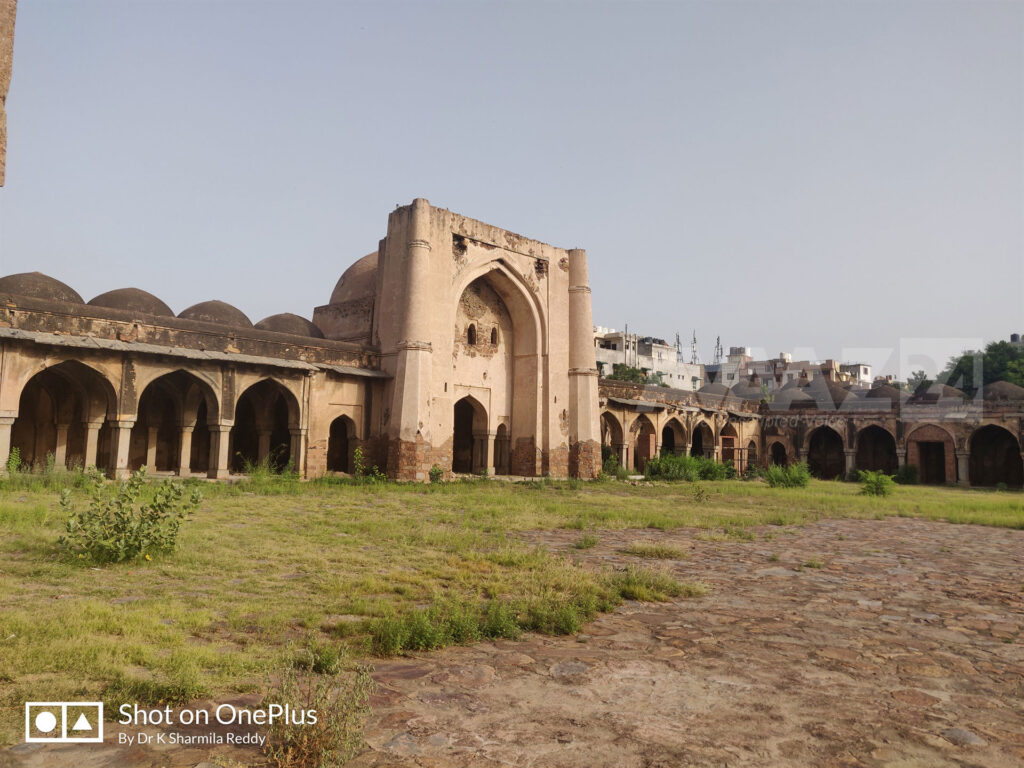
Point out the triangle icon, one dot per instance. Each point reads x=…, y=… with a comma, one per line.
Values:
x=81, y=724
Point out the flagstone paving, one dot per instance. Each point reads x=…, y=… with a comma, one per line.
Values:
x=894, y=643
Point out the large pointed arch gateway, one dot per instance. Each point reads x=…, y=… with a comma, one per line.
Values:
x=266, y=428
x=469, y=449
x=825, y=456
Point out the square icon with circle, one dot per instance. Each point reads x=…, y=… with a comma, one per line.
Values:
x=64, y=722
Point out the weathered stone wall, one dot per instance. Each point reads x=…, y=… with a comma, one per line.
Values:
x=7, y=13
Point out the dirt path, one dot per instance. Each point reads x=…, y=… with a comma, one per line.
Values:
x=904, y=648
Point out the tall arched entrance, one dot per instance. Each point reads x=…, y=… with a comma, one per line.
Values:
x=703, y=443
x=876, y=450
x=778, y=453
x=340, y=444
x=825, y=456
x=468, y=446
x=995, y=458
x=266, y=423
x=644, y=442
x=673, y=438
x=62, y=417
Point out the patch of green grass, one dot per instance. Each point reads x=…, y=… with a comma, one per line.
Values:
x=586, y=541
x=266, y=563
x=814, y=563
x=654, y=550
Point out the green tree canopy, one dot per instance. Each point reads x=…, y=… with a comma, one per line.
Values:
x=1001, y=361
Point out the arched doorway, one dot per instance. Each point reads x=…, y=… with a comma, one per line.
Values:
x=265, y=416
x=62, y=414
x=644, y=441
x=673, y=438
x=703, y=443
x=751, y=454
x=171, y=432
x=995, y=458
x=825, y=457
x=611, y=438
x=501, y=451
x=339, y=445
x=778, y=453
x=876, y=450
x=930, y=448
x=468, y=453
x=729, y=437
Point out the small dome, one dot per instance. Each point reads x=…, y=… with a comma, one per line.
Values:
x=358, y=281
x=286, y=322
x=885, y=392
x=789, y=398
x=36, y=285
x=828, y=394
x=132, y=300
x=934, y=392
x=714, y=388
x=747, y=391
x=217, y=312
x=1002, y=390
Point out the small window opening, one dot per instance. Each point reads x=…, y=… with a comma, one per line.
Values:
x=494, y=337
x=471, y=335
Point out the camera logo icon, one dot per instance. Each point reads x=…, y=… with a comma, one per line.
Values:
x=64, y=722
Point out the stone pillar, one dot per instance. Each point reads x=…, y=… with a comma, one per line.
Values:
x=298, y=450
x=152, y=438
x=92, y=441
x=5, y=441
x=409, y=430
x=963, y=469
x=584, y=420
x=60, y=452
x=851, y=461
x=488, y=453
x=901, y=457
x=624, y=455
x=185, y=452
x=220, y=438
x=262, y=445
x=120, y=441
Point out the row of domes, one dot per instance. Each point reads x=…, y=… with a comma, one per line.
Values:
x=39, y=286
x=827, y=394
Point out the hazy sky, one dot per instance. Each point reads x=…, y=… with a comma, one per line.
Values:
x=825, y=178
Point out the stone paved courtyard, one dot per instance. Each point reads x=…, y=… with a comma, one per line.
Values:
x=843, y=643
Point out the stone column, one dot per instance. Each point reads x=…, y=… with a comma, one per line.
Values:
x=488, y=453
x=851, y=461
x=185, y=452
x=220, y=437
x=901, y=457
x=963, y=469
x=624, y=455
x=60, y=452
x=120, y=441
x=152, y=437
x=262, y=445
x=5, y=441
x=298, y=450
x=92, y=441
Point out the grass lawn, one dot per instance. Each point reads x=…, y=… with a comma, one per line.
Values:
x=264, y=567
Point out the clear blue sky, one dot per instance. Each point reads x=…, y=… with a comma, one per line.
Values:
x=820, y=177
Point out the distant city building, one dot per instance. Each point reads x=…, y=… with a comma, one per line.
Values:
x=663, y=363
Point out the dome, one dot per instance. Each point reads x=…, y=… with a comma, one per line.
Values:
x=885, y=392
x=132, y=300
x=747, y=391
x=358, y=281
x=217, y=312
x=714, y=388
x=791, y=397
x=36, y=285
x=934, y=392
x=286, y=322
x=828, y=394
x=1002, y=390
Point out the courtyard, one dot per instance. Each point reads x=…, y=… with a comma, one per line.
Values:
x=836, y=629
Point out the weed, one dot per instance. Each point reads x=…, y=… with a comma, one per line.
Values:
x=793, y=476
x=774, y=557
x=586, y=541
x=653, y=550
x=436, y=473
x=814, y=563
x=875, y=483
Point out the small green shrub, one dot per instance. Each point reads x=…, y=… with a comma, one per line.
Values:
x=341, y=703
x=688, y=468
x=906, y=475
x=650, y=585
x=610, y=465
x=621, y=473
x=499, y=621
x=586, y=541
x=14, y=461
x=875, y=483
x=793, y=476
x=116, y=527
x=322, y=658
x=436, y=473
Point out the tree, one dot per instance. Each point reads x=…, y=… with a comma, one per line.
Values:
x=915, y=380
x=623, y=372
x=1001, y=361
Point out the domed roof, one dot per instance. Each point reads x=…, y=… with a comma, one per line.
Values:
x=747, y=391
x=217, y=312
x=933, y=392
x=36, y=285
x=286, y=322
x=358, y=281
x=828, y=394
x=133, y=300
x=791, y=397
x=885, y=392
x=1002, y=390
x=714, y=388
